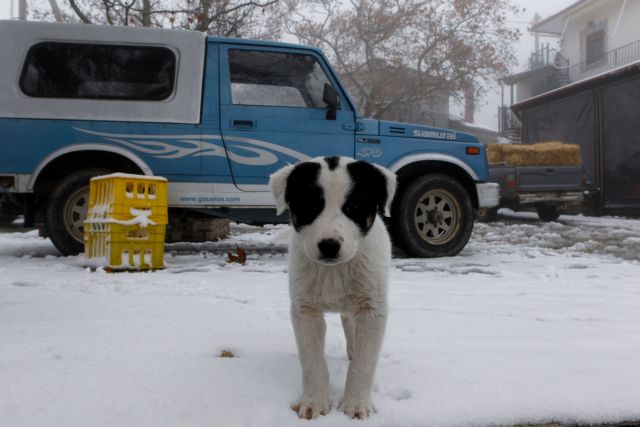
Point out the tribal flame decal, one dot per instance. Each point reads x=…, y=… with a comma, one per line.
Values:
x=167, y=147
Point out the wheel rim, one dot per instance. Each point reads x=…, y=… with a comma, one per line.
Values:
x=75, y=212
x=437, y=217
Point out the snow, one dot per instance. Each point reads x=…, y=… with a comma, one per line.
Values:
x=532, y=322
x=141, y=217
x=129, y=175
x=479, y=126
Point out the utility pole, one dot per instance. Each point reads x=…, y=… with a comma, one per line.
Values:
x=56, y=10
x=22, y=10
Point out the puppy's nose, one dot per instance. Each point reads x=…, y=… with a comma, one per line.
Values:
x=329, y=248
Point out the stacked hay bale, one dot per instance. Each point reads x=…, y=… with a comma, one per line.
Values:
x=541, y=154
x=495, y=153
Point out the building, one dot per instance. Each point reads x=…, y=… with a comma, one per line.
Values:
x=431, y=111
x=585, y=90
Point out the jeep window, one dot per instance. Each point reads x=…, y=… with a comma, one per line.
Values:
x=96, y=71
x=276, y=79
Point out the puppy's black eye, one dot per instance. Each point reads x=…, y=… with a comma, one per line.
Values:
x=358, y=205
x=313, y=205
x=351, y=207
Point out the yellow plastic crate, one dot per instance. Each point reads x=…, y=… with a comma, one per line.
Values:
x=125, y=247
x=121, y=197
x=126, y=221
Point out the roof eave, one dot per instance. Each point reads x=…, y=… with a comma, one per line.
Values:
x=554, y=24
x=621, y=73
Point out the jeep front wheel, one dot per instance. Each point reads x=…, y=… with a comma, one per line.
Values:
x=433, y=217
x=67, y=209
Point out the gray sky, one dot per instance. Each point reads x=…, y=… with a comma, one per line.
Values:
x=5, y=6
x=488, y=107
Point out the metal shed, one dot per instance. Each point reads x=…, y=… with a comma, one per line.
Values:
x=602, y=115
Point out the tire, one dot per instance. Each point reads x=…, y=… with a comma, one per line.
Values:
x=10, y=209
x=66, y=210
x=433, y=217
x=487, y=214
x=7, y=218
x=547, y=213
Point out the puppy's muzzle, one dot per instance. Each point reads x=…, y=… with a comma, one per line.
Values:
x=329, y=249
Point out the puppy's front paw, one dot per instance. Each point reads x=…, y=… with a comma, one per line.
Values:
x=356, y=408
x=310, y=409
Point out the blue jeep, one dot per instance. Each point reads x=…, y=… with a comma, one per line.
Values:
x=215, y=116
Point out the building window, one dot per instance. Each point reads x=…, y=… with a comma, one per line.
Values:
x=595, y=47
x=97, y=71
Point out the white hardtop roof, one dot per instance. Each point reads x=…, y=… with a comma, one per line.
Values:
x=97, y=33
x=188, y=47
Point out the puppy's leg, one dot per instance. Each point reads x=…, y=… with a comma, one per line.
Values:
x=369, y=331
x=309, y=327
x=349, y=327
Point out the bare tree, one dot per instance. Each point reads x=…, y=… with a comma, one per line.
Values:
x=55, y=9
x=234, y=18
x=229, y=18
x=397, y=52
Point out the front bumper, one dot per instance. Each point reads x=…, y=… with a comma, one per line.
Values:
x=488, y=194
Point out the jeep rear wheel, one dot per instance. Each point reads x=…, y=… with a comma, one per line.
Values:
x=67, y=209
x=433, y=217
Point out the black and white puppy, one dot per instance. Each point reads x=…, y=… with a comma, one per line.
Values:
x=339, y=257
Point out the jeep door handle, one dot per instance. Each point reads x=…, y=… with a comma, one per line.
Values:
x=243, y=123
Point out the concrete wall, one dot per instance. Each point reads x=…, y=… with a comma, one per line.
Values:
x=601, y=14
x=523, y=90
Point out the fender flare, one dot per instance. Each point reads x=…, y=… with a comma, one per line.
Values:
x=87, y=147
x=414, y=158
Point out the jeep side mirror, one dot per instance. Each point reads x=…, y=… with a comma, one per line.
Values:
x=331, y=98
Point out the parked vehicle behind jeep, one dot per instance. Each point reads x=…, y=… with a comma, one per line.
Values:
x=546, y=177
x=215, y=116
x=547, y=190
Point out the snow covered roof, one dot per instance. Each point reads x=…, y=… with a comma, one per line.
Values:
x=616, y=73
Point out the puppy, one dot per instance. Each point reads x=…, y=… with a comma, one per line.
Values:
x=339, y=257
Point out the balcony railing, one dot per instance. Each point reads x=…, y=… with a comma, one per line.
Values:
x=623, y=55
x=546, y=56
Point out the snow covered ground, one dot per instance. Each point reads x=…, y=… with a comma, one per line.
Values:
x=532, y=322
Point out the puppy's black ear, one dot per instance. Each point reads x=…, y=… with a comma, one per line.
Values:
x=278, y=187
x=379, y=181
x=391, y=185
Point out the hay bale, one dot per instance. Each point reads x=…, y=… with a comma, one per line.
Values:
x=517, y=155
x=495, y=153
x=558, y=154
x=542, y=154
